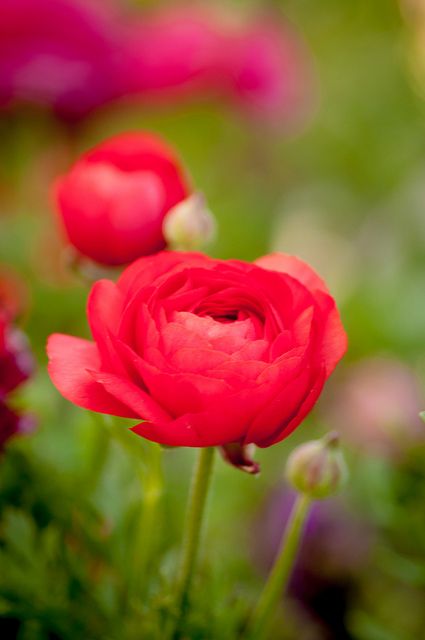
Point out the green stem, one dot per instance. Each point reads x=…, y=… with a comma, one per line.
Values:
x=98, y=450
x=196, y=507
x=151, y=483
x=279, y=576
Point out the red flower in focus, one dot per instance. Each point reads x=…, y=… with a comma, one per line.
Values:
x=207, y=352
x=114, y=199
x=16, y=365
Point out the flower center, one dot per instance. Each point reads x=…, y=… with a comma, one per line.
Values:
x=224, y=332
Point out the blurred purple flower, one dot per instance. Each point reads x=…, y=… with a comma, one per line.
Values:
x=376, y=407
x=334, y=548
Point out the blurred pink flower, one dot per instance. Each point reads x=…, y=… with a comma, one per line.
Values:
x=269, y=71
x=59, y=53
x=376, y=407
x=76, y=55
x=174, y=51
x=256, y=62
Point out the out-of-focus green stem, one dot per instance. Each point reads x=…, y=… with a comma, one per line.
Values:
x=151, y=482
x=263, y=613
x=196, y=509
x=99, y=446
x=146, y=457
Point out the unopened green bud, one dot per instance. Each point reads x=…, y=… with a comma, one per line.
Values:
x=317, y=468
x=189, y=224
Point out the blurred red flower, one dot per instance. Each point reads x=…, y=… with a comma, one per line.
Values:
x=207, y=352
x=113, y=200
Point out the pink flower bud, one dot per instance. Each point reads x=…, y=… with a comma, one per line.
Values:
x=317, y=468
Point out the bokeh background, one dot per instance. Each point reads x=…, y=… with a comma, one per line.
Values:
x=90, y=515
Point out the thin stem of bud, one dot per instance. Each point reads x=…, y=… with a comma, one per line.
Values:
x=281, y=571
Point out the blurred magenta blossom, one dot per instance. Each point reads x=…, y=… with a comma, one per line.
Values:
x=334, y=549
x=76, y=55
x=376, y=407
x=256, y=62
x=59, y=53
x=16, y=366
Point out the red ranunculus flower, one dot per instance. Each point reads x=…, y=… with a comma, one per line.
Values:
x=207, y=352
x=113, y=201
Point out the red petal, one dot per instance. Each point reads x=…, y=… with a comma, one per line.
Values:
x=132, y=396
x=147, y=270
x=104, y=310
x=294, y=267
x=69, y=361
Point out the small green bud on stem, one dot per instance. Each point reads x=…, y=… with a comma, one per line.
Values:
x=317, y=468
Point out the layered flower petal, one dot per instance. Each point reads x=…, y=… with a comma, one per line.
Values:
x=71, y=361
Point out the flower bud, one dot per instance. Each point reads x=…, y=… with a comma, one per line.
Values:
x=113, y=201
x=189, y=224
x=317, y=468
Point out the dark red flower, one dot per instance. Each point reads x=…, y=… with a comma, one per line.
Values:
x=16, y=362
x=16, y=365
x=207, y=352
x=113, y=201
x=13, y=424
